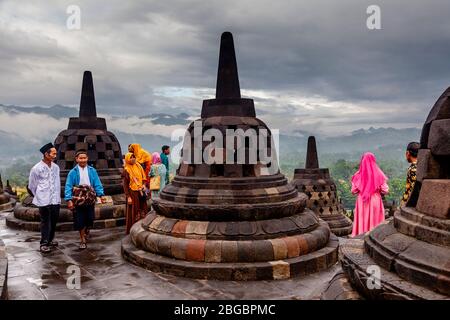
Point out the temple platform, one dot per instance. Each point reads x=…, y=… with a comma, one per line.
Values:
x=106, y=275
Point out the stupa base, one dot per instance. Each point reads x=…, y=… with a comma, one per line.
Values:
x=357, y=264
x=339, y=224
x=28, y=218
x=160, y=245
x=8, y=205
x=273, y=270
x=339, y=288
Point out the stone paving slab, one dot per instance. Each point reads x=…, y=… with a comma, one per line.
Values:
x=106, y=275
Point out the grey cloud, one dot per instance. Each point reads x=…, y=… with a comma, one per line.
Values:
x=318, y=48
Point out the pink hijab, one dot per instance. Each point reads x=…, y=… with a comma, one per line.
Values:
x=156, y=158
x=369, y=177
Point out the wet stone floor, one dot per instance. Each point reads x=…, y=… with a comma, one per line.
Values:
x=106, y=275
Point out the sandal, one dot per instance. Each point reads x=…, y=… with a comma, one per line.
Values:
x=45, y=249
x=83, y=246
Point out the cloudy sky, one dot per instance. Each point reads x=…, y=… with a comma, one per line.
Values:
x=310, y=65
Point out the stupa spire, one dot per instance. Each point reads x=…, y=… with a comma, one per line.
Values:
x=227, y=86
x=87, y=102
x=312, y=161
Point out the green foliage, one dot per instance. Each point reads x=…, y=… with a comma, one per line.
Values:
x=396, y=189
x=17, y=173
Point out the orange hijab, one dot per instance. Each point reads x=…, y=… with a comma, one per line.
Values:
x=142, y=156
x=137, y=174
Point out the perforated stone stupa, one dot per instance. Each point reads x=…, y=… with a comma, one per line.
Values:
x=230, y=221
x=317, y=184
x=6, y=201
x=87, y=132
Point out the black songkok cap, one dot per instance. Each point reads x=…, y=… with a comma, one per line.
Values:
x=47, y=147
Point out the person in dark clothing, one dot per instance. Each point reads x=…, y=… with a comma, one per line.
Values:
x=412, y=151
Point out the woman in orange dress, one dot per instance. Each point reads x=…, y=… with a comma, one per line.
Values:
x=134, y=180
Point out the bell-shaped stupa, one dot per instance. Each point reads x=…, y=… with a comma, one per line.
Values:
x=10, y=191
x=234, y=218
x=6, y=200
x=321, y=191
x=90, y=133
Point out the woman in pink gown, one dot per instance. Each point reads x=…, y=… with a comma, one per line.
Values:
x=369, y=183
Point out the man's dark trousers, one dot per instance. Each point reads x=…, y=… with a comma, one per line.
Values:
x=49, y=218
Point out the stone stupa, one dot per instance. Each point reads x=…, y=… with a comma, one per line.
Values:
x=412, y=251
x=9, y=190
x=90, y=133
x=321, y=191
x=6, y=201
x=230, y=221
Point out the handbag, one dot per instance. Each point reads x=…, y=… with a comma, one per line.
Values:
x=83, y=195
x=155, y=182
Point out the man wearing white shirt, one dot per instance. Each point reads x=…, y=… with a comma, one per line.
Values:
x=45, y=187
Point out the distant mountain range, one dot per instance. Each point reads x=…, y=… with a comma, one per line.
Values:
x=60, y=112
x=167, y=119
x=385, y=142
x=57, y=111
